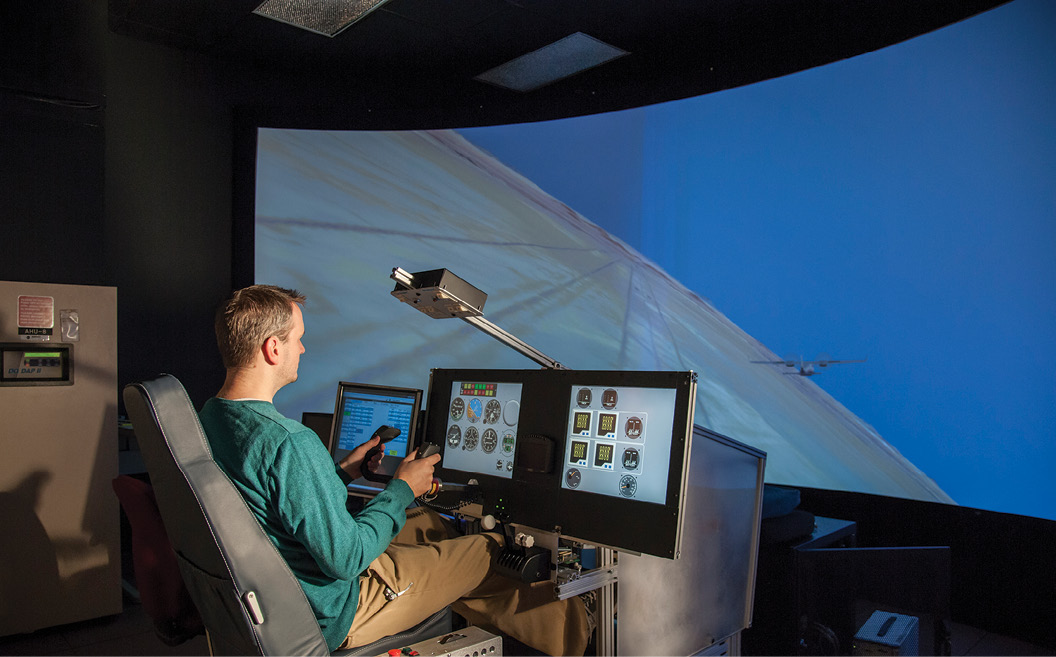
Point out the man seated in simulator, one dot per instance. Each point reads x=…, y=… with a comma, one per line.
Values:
x=363, y=576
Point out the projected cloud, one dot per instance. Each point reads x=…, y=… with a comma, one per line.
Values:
x=336, y=211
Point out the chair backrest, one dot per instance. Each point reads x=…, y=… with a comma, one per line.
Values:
x=248, y=597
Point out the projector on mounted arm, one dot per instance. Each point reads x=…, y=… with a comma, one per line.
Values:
x=438, y=293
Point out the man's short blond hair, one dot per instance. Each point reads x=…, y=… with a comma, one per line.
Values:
x=251, y=316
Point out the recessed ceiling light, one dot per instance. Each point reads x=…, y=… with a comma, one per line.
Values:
x=326, y=17
x=573, y=54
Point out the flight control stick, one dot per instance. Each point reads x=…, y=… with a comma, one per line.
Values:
x=427, y=449
x=385, y=433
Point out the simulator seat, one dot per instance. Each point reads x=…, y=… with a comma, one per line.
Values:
x=247, y=596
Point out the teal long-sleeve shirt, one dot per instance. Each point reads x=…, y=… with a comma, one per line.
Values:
x=298, y=496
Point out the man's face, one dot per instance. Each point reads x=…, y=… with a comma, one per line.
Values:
x=292, y=347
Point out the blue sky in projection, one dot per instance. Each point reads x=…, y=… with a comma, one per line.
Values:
x=899, y=206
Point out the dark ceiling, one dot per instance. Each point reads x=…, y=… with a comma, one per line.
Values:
x=411, y=63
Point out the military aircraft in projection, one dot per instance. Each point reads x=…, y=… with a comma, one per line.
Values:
x=805, y=367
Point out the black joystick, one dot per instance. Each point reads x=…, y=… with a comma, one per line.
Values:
x=427, y=449
x=385, y=433
x=424, y=450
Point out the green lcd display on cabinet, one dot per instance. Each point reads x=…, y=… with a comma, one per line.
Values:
x=36, y=364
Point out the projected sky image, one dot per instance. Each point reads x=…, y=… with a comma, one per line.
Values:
x=335, y=210
x=896, y=207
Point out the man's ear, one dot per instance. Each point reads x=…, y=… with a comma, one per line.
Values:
x=270, y=349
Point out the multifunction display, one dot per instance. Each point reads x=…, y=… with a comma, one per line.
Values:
x=619, y=441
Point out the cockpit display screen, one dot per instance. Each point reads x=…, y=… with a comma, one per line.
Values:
x=579, y=452
x=618, y=456
x=482, y=423
x=581, y=423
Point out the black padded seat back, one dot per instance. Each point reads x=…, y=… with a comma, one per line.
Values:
x=226, y=559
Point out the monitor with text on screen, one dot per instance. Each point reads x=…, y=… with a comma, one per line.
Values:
x=601, y=455
x=361, y=408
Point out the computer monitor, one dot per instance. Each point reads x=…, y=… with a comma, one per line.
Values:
x=599, y=454
x=361, y=408
x=321, y=424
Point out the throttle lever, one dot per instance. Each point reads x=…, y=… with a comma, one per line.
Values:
x=428, y=449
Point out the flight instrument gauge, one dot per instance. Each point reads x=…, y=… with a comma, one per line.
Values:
x=476, y=409
x=454, y=436
x=489, y=441
x=630, y=459
x=628, y=485
x=470, y=440
x=492, y=411
x=583, y=397
x=572, y=478
x=458, y=408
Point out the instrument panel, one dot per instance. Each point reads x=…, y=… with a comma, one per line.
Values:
x=482, y=424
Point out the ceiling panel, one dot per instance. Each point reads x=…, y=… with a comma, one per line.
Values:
x=416, y=59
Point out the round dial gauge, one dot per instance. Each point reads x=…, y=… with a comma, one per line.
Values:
x=608, y=399
x=583, y=397
x=508, y=441
x=470, y=440
x=572, y=478
x=492, y=411
x=489, y=441
x=633, y=427
x=630, y=458
x=454, y=436
x=476, y=409
x=458, y=408
x=628, y=485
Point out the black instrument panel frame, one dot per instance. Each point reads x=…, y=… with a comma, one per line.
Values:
x=534, y=496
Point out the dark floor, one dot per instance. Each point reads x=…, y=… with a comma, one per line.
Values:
x=132, y=633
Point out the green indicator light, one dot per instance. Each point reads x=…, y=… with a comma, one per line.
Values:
x=41, y=354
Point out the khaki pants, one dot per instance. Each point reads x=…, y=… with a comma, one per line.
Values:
x=430, y=571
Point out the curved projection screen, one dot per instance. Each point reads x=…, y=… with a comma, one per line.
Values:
x=895, y=206
x=336, y=211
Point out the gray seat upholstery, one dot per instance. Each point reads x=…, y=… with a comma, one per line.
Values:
x=248, y=597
